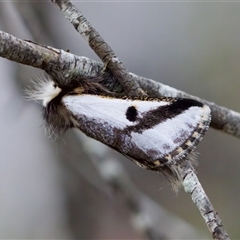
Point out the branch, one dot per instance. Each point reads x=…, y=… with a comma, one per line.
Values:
x=65, y=66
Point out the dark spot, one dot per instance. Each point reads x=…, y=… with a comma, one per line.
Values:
x=131, y=114
x=161, y=114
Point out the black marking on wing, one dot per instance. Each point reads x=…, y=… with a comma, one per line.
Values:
x=161, y=114
x=131, y=114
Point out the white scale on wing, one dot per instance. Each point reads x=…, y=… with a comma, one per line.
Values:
x=107, y=109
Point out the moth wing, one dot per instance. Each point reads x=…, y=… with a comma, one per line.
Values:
x=150, y=132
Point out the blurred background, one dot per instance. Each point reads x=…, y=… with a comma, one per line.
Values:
x=50, y=188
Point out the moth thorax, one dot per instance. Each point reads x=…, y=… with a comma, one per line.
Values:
x=78, y=90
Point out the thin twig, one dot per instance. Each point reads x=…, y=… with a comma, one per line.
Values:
x=100, y=47
x=192, y=186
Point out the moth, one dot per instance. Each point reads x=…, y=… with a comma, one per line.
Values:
x=155, y=133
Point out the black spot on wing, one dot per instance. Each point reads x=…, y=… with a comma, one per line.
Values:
x=162, y=114
x=131, y=114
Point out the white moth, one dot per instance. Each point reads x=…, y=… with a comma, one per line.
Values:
x=155, y=133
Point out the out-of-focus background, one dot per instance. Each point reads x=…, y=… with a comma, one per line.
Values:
x=50, y=189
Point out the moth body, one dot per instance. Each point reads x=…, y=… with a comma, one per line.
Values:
x=152, y=132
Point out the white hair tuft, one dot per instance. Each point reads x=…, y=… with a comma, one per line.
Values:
x=43, y=90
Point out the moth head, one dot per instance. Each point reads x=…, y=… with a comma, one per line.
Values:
x=43, y=91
